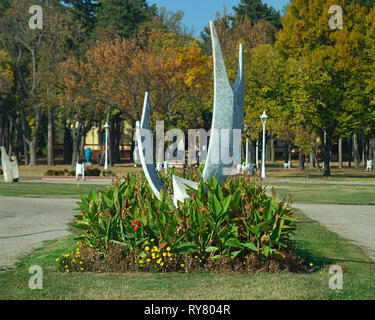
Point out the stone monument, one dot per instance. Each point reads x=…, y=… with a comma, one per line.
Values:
x=228, y=117
x=10, y=167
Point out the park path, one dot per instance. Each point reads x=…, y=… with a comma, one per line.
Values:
x=352, y=222
x=26, y=222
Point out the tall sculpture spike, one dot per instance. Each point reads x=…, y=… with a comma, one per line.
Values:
x=228, y=111
x=148, y=164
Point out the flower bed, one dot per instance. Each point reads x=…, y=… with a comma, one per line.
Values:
x=234, y=227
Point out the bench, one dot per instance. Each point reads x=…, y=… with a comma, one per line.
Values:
x=288, y=165
x=370, y=165
x=80, y=170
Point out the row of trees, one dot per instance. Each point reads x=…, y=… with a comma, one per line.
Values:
x=94, y=60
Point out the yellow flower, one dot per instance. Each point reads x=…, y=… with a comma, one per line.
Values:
x=164, y=254
x=82, y=269
x=146, y=242
x=171, y=259
x=186, y=271
x=140, y=261
x=67, y=270
x=196, y=257
x=147, y=248
x=182, y=265
x=162, y=264
x=168, y=249
x=311, y=264
x=148, y=260
x=152, y=240
x=80, y=262
x=57, y=260
x=169, y=254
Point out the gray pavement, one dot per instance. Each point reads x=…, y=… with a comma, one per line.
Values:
x=26, y=222
x=352, y=222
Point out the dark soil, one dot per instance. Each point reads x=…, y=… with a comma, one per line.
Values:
x=118, y=260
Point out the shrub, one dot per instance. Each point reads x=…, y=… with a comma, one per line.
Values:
x=232, y=220
x=92, y=172
x=108, y=173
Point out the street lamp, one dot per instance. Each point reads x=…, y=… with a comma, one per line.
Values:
x=264, y=118
x=106, y=127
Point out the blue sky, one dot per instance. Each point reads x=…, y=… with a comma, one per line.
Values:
x=197, y=13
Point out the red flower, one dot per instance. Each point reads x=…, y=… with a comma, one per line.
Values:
x=136, y=225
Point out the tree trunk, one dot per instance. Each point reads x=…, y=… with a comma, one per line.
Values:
x=76, y=144
x=312, y=160
x=33, y=155
x=350, y=151
x=25, y=152
x=340, y=153
x=356, y=150
x=327, y=156
x=301, y=165
x=371, y=149
x=1, y=127
x=317, y=160
x=272, y=149
x=100, y=143
x=68, y=146
x=286, y=153
x=363, y=141
x=253, y=146
x=111, y=159
x=10, y=139
x=133, y=143
x=51, y=138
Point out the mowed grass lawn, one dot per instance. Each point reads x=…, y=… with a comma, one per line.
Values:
x=314, y=243
x=327, y=194
x=46, y=190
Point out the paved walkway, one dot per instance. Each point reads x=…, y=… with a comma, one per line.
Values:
x=355, y=223
x=26, y=222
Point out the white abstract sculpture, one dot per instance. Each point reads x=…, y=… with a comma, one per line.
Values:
x=227, y=116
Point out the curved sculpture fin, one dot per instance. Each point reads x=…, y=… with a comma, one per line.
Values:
x=143, y=129
x=228, y=114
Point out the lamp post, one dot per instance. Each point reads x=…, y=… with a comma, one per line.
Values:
x=264, y=118
x=106, y=127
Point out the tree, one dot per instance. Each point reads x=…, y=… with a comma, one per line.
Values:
x=256, y=10
x=84, y=14
x=331, y=60
x=6, y=82
x=123, y=17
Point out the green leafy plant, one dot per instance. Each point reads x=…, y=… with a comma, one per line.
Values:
x=234, y=219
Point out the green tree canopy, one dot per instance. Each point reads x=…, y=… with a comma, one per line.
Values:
x=122, y=17
x=256, y=10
